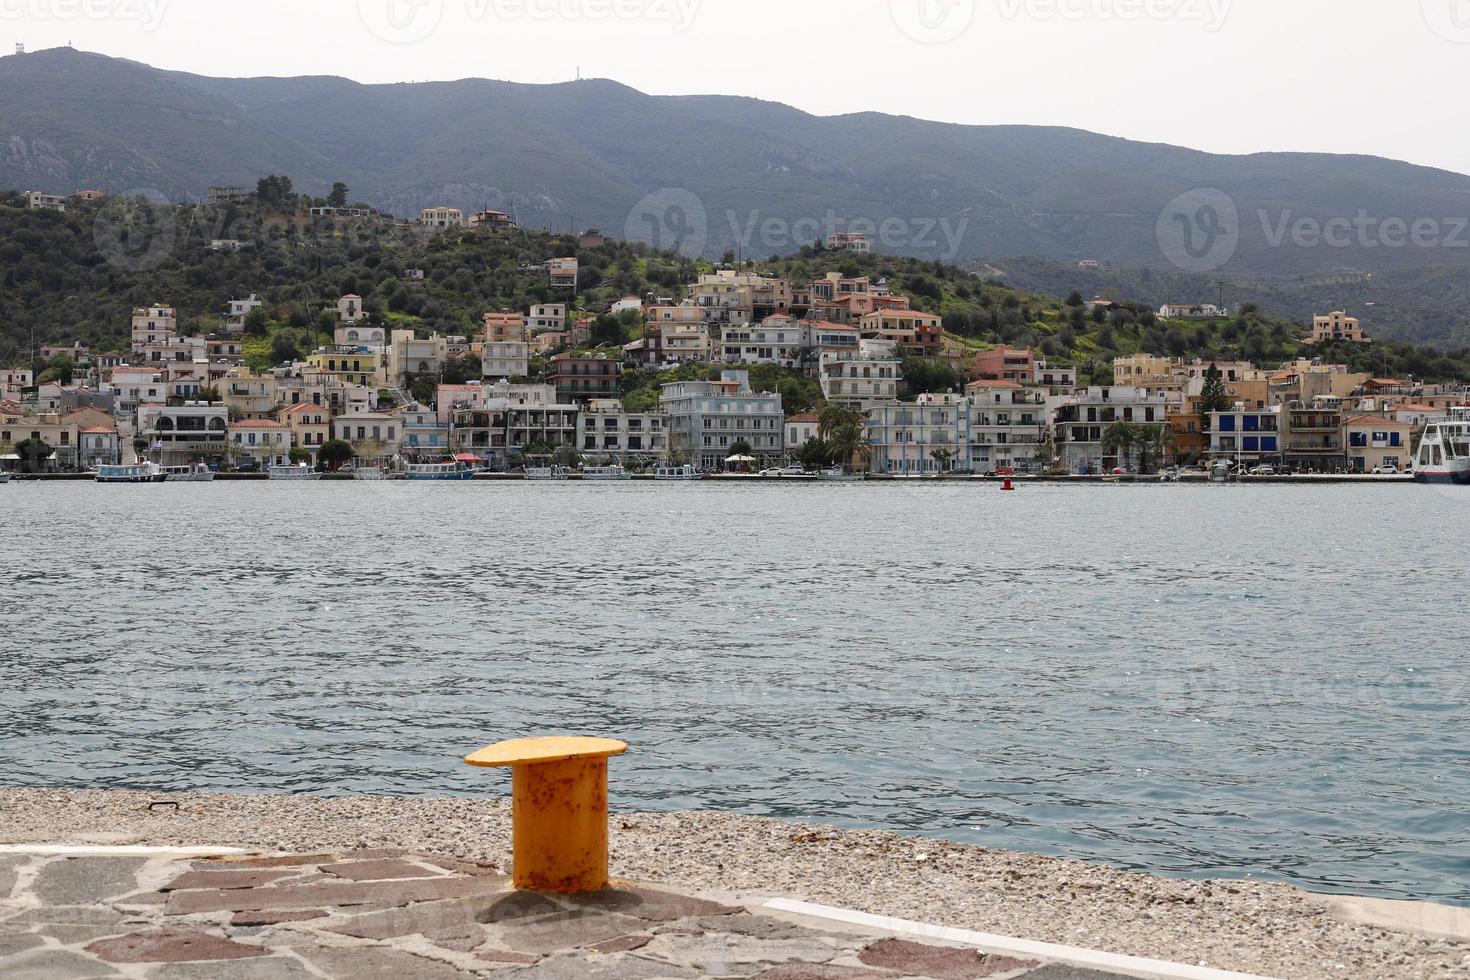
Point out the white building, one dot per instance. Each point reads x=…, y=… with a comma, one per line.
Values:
x=860, y=381
x=547, y=318
x=41, y=201
x=777, y=342
x=373, y=435
x=350, y=310
x=708, y=418
x=441, y=217
x=180, y=434
x=604, y=427
x=926, y=436
x=1007, y=426
x=238, y=310
x=1081, y=420
x=153, y=325
x=266, y=441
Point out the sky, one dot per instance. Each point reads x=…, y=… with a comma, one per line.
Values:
x=1381, y=77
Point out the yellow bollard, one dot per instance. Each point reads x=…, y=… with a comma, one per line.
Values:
x=558, y=809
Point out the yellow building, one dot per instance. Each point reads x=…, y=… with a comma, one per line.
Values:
x=350, y=366
x=1337, y=326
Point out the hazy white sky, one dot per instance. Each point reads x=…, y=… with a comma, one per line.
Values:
x=1385, y=77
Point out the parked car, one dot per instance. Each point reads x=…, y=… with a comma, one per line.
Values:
x=1386, y=470
x=1265, y=469
x=792, y=470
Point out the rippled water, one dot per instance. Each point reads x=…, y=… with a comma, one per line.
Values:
x=1185, y=680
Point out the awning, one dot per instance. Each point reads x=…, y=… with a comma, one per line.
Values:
x=468, y=458
x=740, y=459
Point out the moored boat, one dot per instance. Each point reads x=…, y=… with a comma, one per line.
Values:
x=4, y=478
x=439, y=472
x=542, y=474
x=298, y=472
x=369, y=474
x=838, y=474
x=677, y=474
x=197, y=473
x=144, y=472
x=1444, y=452
x=605, y=473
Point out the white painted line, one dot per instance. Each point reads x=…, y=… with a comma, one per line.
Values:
x=119, y=850
x=1075, y=955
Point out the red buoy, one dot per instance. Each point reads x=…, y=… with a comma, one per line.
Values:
x=1008, y=485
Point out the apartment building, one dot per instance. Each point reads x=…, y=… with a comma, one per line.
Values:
x=1080, y=420
x=605, y=428
x=928, y=436
x=707, y=418
x=860, y=380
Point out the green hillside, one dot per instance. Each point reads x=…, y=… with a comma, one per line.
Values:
x=77, y=276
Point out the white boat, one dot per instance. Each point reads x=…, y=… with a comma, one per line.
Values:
x=839, y=475
x=677, y=474
x=543, y=474
x=439, y=472
x=4, y=478
x=1223, y=471
x=298, y=472
x=368, y=473
x=198, y=473
x=144, y=472
x=1444, y=452
x=605, y=473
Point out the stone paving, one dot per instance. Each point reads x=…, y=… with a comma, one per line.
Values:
x=394, y=915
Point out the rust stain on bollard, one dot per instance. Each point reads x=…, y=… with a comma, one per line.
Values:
x=558, y=809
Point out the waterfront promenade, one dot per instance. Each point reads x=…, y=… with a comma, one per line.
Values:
x=412, y=887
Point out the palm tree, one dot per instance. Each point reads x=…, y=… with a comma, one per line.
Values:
x=834, y=417
x=848, y=442
x=1118, y=441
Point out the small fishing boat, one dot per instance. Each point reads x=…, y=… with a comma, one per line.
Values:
x=144, y=472
x=605, y=473
x=299, y=472
x=838, y=474
x=197, y=473
x=368, y=473
x=439, y=472
x=543, y=474
x=677, y=474
x=4, y=477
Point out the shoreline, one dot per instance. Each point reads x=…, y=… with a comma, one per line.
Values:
x=1262, y=928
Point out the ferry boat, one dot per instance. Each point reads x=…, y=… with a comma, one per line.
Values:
x=1444, y=452
x=198, y=473
x=298, y=472
x=439, y=472
x=144, y=472
x=542, y=474
x=677, y=474
x=839, y=475
x=605, y=473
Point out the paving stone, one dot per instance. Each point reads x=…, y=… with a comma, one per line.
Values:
x=262, y=968
x=8, y=867
x=464, y=867
x=650, y=904
x=56, y=964
x=502, y=956
x=822, y=971
x=939, y=962
x=75, y=915
x=286, y=861
x=84, y=881
x=519, y=905
x=171, y=946
x=69, y=935
x=622, y=944
x=579, y=967
x=274, y=918
x=757, y=926
x=722, y=954
x=371, y=963
x=389, y=893
x=1061, y=971
x=19, y=943
x=385, y=870
x=225, y=880
x=429, y=918
x=564, y=930
x=141, y=899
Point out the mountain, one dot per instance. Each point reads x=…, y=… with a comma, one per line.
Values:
x=723, y=172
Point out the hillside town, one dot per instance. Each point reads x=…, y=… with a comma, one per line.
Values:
x=179, y=398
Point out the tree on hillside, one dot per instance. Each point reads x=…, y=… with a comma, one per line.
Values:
x=927, y=374
x=257, y=323
x=274, y=190
x=338, y=197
